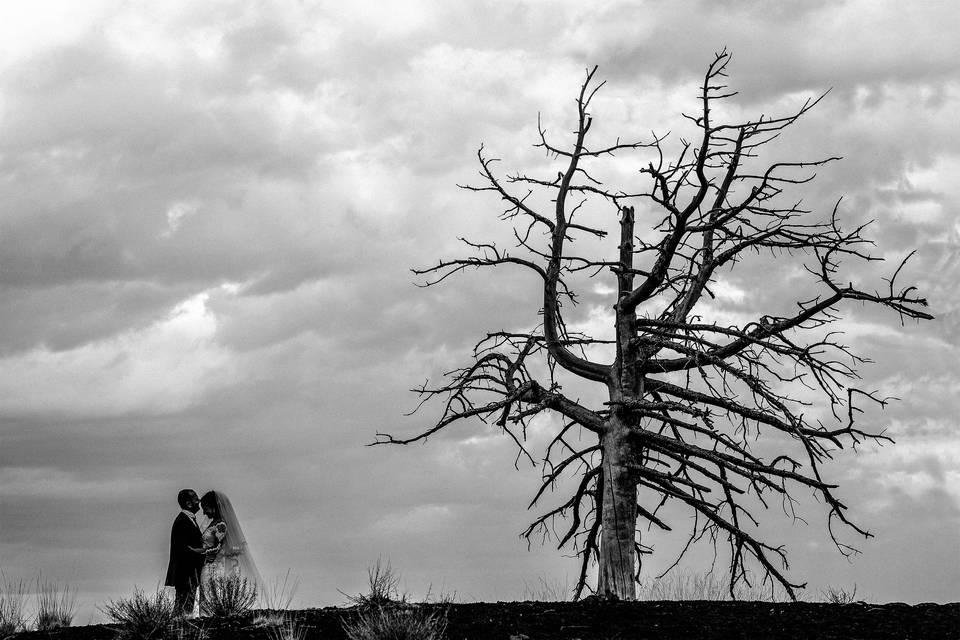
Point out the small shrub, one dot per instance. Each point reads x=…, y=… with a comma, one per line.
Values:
x=686, y=585
x=12, y=596
x=278, y=595
x=385, y=614
x=144, y=617
x=56, y=605
x=706, y=585
x=544, y=591
x=225, y=596
x=184, y=629
x=288, y=629
x=839, y=595
x=444, y=597
x=384, y=584
x=269, y=619
x=275, y=598
x=398, y=622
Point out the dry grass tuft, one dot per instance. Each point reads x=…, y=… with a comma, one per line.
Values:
x=186, y=630
x=839, y=595
x=386, y=614
x=399, y=622
x=275, y=598
x=278, y=595
x=56, y=605
x=227, y=596
x=12, y=596
x=143, y=616
x=151, y=617
x=547, y=591
x=384, y=590
x=289, y=629
x=706, y=585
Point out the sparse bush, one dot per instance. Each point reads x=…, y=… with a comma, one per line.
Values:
x=384, y=585
x=288, y=629
x=385, y=614
x=275, y=598
x=227, y=595
x=12, y=596
x=397, y=622
x=278, y=595
x=56, y=604
x=184, y=629
x=144, y=617
x=444, y=597
x=269, y=619
x=706, y=585
x=547, y=591
x=685, y=585
x=839, y=595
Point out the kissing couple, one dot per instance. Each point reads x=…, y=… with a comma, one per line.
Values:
x=205, y=549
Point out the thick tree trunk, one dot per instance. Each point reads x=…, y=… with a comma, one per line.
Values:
x=619, y=513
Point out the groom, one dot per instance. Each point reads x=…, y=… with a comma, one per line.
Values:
x=186, y=553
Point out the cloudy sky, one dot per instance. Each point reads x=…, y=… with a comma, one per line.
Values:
x=209, y=213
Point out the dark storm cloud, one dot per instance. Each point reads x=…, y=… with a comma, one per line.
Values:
x=32, y=317
x=778, y=48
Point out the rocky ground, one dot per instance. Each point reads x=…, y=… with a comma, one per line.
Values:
x=621, y=621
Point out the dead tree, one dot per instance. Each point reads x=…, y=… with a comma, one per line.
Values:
x=685, y=398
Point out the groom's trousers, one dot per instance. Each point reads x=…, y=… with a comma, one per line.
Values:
x=186, y=598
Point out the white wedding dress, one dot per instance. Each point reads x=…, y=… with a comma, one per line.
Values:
x=233, y=554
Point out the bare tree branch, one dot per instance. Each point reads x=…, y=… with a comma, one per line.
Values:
x=686, y=398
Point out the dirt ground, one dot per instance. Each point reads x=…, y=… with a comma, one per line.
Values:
x=623, y=621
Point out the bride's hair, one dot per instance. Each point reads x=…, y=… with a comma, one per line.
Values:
x=209, y=499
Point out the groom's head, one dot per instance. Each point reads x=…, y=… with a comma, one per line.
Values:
x=187, y=498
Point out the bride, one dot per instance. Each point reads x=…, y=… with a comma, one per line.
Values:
x=227, y=553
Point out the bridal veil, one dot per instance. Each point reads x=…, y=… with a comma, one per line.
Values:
x=234, y=548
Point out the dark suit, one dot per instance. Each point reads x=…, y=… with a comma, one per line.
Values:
x=183, y=572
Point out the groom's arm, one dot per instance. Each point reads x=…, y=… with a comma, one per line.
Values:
x=180, y=537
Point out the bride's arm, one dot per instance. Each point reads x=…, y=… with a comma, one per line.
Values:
x=219, y=533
